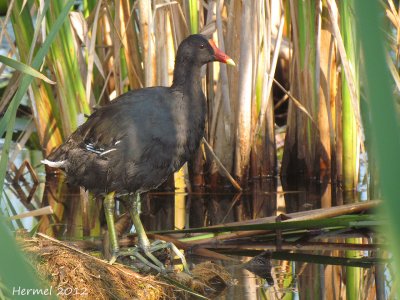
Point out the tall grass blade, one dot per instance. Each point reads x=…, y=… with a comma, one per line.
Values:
x=350, y=105
x=194, y=16
x=15, y=272
x=24, y=68
x=8, y=121
x=71, y=98
x=350, y=132
x=382, y=118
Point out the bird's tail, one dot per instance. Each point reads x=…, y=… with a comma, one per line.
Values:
x=54, y=164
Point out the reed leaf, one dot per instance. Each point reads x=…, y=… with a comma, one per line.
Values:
x=71, y=95
x=8, y=121
x=194, y=16
x=382, y=117
x=11, y=258
x=13, y=212
x=15, y=272
x=41, y=96
x=349, y=125
x=350, y=113
x=24, y=68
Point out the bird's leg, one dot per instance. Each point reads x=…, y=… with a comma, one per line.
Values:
x=143, y=240
x=144, y=243
x=134, y=210
x=158, y=245
x=109, y=208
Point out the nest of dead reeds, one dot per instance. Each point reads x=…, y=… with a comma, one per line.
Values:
x=74, y=274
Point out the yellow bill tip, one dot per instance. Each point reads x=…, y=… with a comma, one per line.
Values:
x=230, y=61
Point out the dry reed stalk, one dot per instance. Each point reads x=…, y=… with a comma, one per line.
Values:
x=131, y=47
x=47, y=210
x=146, y=26
x=326, y=94
x=245, y=86
x=317, y=214
x=333, y=13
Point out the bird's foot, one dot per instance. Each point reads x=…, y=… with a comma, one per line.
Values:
x=114, y=257
x=145, y=256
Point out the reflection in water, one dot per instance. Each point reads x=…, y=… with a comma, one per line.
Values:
x=78, y=215
x=261, y=266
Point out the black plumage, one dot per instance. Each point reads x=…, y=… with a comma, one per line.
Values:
x=133, y=144
x=139, y=139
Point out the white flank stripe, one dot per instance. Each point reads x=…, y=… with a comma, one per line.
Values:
x=108, y=151
x=91, y=148
x=53, y=164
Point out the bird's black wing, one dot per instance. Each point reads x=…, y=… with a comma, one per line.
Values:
x=127, y=145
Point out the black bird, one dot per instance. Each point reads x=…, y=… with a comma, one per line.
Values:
x=133, y=144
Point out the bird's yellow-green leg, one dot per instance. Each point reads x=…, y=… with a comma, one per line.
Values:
x=143, y=240
x=134, y=211
x=144, y=244
x=109, y=209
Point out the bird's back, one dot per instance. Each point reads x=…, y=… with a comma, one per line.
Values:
x=132, y=144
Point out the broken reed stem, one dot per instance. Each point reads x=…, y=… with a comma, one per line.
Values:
x=316, y=214
x=287, y=246
x=221, y=166
x=48, y=210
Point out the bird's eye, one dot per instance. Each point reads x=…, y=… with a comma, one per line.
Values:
x=201, y=46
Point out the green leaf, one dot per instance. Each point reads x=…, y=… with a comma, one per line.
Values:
x=17, y=65
x=14, y=271
x=8, y=120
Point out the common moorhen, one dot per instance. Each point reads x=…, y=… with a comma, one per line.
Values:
x=133, y=144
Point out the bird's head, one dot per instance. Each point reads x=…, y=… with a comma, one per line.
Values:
x=197, y=49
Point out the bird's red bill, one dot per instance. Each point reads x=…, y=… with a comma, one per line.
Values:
x=221, y=56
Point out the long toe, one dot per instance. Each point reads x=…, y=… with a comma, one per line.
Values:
x=173, y=250
x=142, y=260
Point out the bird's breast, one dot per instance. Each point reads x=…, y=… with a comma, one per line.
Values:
x=190, y=129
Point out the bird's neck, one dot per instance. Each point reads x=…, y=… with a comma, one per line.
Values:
x=187, y=77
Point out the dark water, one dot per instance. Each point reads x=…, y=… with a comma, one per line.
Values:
x=274, y=277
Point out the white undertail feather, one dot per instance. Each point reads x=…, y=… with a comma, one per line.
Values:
x=54, y=164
